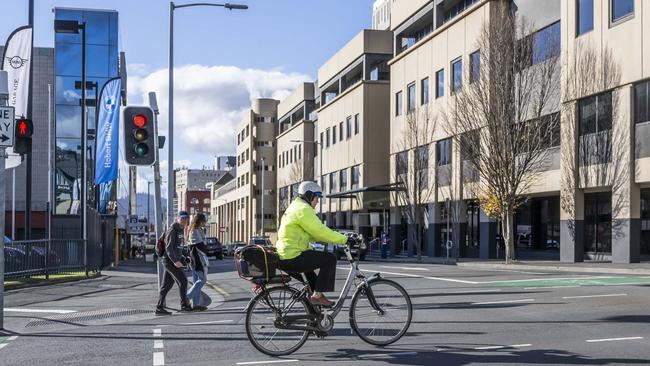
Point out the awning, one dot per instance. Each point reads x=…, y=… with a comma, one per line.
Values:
x=352, y=193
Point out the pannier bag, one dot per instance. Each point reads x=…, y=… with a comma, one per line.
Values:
x=256, y=261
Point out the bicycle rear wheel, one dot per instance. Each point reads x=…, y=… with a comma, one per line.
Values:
x=268, y=309
x=388, y=322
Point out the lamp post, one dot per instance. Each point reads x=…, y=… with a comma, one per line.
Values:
x=74, y=27
x=170, y=133
x=320, y=166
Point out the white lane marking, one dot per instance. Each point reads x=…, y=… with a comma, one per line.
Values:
x=52, y=311
x=407, y=268
x=417, y=276
x=500, y=347
x=211, y=322
x=591, y=296
x=489, y=347
x=612, y=339
x=12, y=338
x=3, y=345
x=158, y=343
x=261, y=362
x=473, y=291
x=379, y=355
x=551, y=279
x=157, y=332
x=543, y=287
x=158, y=358
x=502, y=302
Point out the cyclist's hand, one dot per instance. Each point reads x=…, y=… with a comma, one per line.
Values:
x=351, y=241
x=178, y=265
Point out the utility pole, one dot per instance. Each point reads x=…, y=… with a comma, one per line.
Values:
x=262, y=201
x=157, y=206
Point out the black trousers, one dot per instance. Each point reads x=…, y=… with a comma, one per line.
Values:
x=307, y=262
x=172, y=274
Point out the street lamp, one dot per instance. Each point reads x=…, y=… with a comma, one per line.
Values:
x=170, y=133
x=74, y=27
x=320, y=165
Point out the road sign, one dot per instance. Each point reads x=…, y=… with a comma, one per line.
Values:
x=134, y=227
x=7, y=116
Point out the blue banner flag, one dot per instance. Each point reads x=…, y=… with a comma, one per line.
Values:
x=108, y=126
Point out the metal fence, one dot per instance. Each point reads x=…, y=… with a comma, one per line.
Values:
x=30, y=258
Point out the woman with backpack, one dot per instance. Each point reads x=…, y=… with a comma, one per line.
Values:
x=198, y=259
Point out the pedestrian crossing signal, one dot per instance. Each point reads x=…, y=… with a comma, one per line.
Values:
x=24, y=129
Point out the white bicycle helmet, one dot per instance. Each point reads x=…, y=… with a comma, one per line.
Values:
x=308, y=186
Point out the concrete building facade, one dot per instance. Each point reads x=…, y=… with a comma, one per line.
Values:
x=564, y=219
x=353, y=129
x=296, y=147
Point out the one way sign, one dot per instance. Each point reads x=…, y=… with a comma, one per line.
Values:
x=6, y=126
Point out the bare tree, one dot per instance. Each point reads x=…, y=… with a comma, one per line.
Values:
x=595, y=154
x=415, y=186
x=502, y=120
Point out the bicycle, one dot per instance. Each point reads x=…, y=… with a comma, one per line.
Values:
x=280, y=318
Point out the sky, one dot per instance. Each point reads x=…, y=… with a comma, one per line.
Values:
x=222, y=59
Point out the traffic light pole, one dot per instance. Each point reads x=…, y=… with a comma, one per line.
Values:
x=157, y=207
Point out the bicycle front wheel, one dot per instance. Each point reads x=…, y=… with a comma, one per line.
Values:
x=381, y=312
x=270, y=308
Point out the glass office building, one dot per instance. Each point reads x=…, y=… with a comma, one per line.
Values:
x=102, y=58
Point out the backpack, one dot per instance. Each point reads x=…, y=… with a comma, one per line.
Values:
x=256, y=261
x=160, y=246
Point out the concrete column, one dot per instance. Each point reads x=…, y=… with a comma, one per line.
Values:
x=434, y=248
x=459, y=227
x=487, y=237
x=571, y=195
x=395, y=223
x=626, y=195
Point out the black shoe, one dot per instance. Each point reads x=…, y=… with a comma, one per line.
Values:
x=162, y=311
x=199, y=308
x=186, y=308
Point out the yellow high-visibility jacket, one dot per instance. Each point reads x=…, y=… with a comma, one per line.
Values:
x=300, y=226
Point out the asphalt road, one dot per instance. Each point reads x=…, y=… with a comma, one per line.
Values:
x=461, y=317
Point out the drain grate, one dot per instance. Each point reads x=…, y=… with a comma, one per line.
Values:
x=84, y=316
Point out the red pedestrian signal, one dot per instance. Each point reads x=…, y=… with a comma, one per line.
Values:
x=24, y=129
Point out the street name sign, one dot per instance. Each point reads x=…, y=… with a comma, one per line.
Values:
x=7, y=116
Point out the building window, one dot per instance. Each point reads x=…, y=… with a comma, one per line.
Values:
x=585, y=16
x=341, y=131
x=356, y=176
x=440, y=83
x=424, y=91
x=595, y=114
x=398, y=103
x=456, y=75
x=194, y=201
x=323, y=183
x=299, y=152
x=327, y=137
x=443, y=152
x=422, y=156
x=321, y=140
x=206, y=201
x=291, y=156
x=622, y=9
x=401, y=166
x=642, y=102
x=546, y=43
x=333, y=185
x=348, y=126
x=356, y=124
x=343, y=180
x=410, y=102
x=334, y=135
x=474, y=66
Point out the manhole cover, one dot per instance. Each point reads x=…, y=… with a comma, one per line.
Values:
x=85, y=316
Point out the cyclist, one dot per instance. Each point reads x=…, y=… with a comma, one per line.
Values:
x=299, y=226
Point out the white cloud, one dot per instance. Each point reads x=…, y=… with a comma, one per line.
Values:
x=209, y=101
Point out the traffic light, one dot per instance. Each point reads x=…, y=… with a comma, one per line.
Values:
x=23, y=136
x=139, y=135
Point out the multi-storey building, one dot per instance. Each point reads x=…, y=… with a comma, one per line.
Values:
x=247, y=204
x=436, y=40
x=381, y=14
x=296, y=147
x=353, y=129
x=188, y=184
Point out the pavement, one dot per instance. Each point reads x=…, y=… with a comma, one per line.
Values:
x=462, y=316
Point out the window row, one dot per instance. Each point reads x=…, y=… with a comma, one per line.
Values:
x=290, y=156
x=338, y=181
x=242, y=180
x=263, y=119
x=344, y=132
x=241, y=136
x=620, y=10
x=243, y=157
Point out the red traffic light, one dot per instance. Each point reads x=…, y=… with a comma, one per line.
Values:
x=140, y=120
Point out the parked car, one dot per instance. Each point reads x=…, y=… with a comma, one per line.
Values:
x=214, y=247
x=232, y=247
x=357, y=253
x=14, y=259
x=260, y=240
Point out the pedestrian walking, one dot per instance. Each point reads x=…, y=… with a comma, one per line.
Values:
x=173, y=262
x=199, y=262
